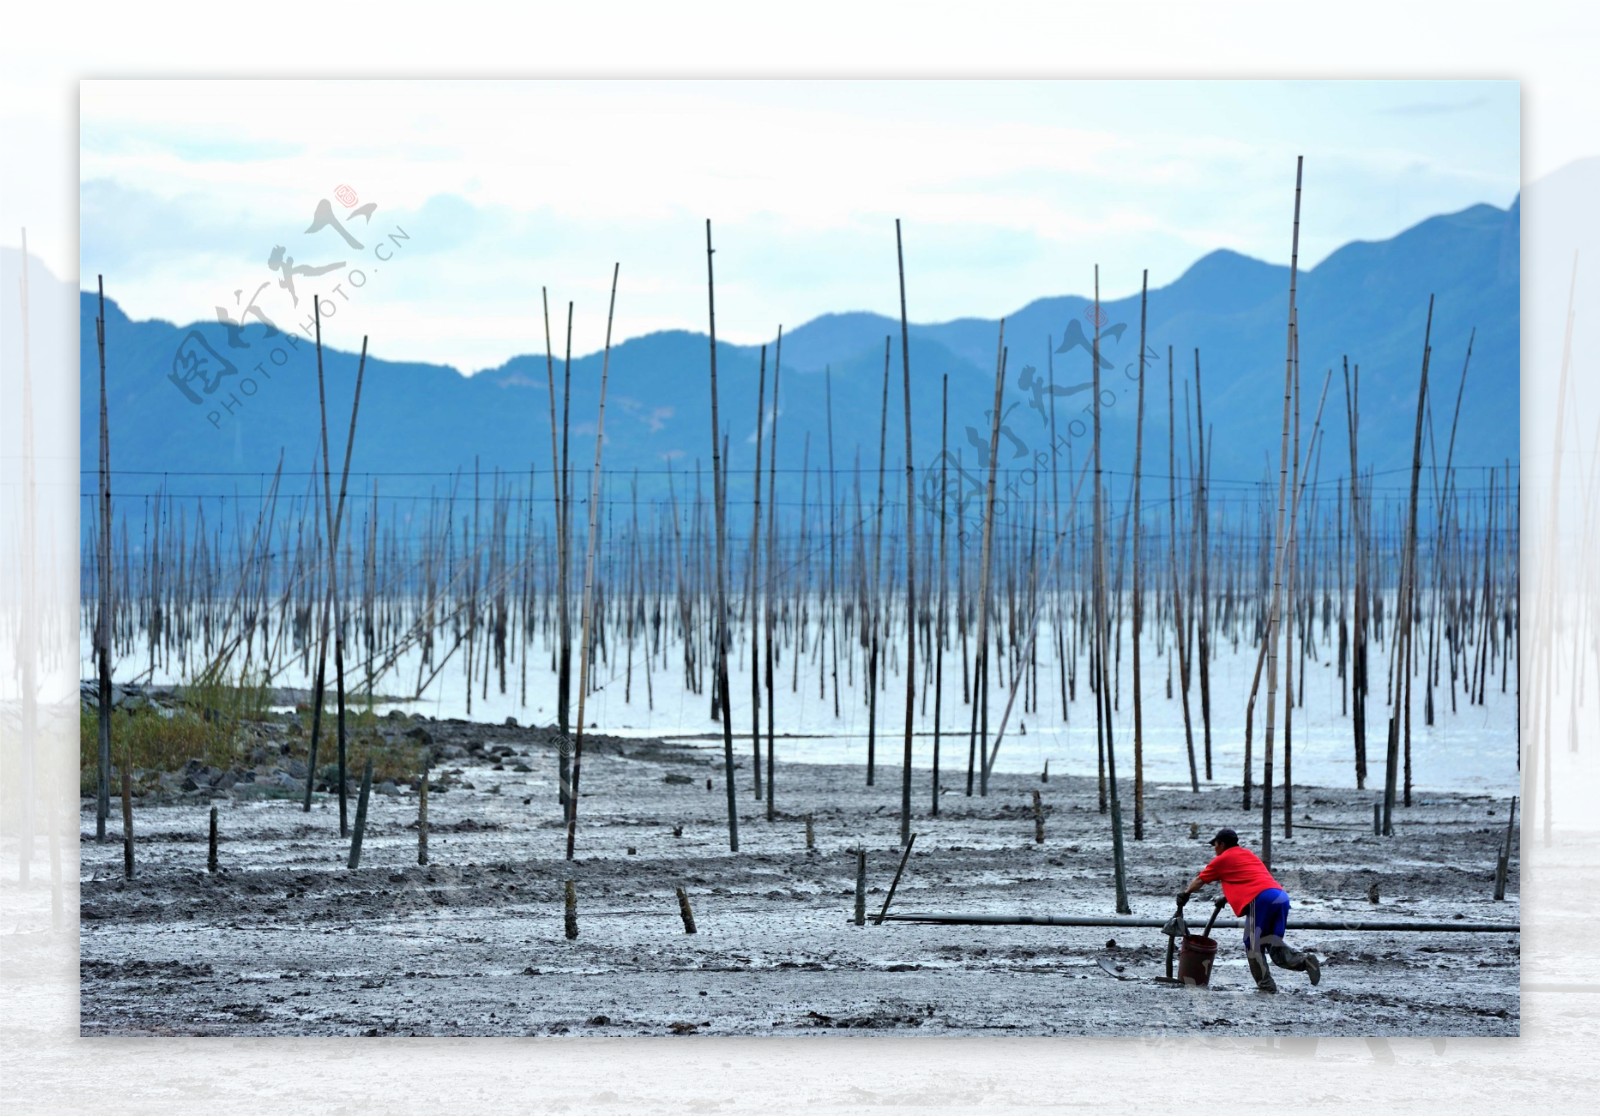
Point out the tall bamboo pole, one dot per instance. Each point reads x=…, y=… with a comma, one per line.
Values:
x=103, y=628
x=558, y=493
x=1118, y=872
x=911, y=550
x=753, y=580
x=874, y=596
x=1273, y=615
x=1201, y=606
x=1400, y=715
x=1177, y=588
x=721, y=626
x=944, y=581
x=588, y=575
x=1358, y=551
x=981, y=661
x=335, y=525
x=772, y=567
x=1138, y=581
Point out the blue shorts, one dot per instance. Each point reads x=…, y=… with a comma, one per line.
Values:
x=1271, y=911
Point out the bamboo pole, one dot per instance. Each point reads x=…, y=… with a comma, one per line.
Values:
x=894, y=884
x=772, y=567
x=1118, y=870
x=422, y=817
x=873, y=595
x=1278, y=537
x=721, y=593
x=104, y=623
x=588, y=574
x=361, y=815
x=906, y=836
x=335, y=529
x=944, y=583
x=1138, y=582
x=1202, y=611
x=981, y=662
x=754, y=583
x=1358, y=656
x=1177, y=589
x=1403, y=612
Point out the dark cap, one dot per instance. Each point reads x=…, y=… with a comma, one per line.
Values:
x=1226, y=836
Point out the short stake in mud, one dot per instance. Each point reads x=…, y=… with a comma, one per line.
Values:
x=683, y=910
x=1502, y=867
x=211, y=854
x=860, y=919
x=361, y=814
x=1038, y=820
x=422, y=819
x=572, y=909
x=811, y=836
x=127, y=821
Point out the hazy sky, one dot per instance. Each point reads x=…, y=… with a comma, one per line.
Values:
x=1007, y=192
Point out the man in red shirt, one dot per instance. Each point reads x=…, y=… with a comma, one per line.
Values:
x=1251, y=892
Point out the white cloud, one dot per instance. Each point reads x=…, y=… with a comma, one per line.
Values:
x=1007, y=191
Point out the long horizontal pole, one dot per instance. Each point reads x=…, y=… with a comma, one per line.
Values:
x=1127, y=921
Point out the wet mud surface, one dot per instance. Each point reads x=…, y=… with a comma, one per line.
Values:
x=285, y=940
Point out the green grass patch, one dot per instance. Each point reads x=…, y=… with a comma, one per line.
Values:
x=147, y=739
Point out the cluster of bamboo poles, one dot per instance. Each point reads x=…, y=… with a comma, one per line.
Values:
x=1303, y=571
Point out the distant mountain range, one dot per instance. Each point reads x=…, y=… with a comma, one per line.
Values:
x=421, y=423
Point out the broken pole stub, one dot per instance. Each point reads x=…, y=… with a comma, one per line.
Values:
x=685, y=912
x=422, y=819
x=361, y=814
x=211, y=854
x=127, y=823
x=1038, y=820
x=860, y=918
x=572, y=909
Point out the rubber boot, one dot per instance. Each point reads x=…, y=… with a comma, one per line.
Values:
x=1306, y=963
x=1263, y=975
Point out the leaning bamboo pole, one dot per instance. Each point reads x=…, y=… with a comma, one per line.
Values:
x=981, y=661
x=911, y=536
x=588, y=575
x=335, y=525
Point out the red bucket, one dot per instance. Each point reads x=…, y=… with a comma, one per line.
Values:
x=1195, y=958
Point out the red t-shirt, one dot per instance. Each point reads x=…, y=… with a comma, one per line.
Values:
x=1242, y=874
